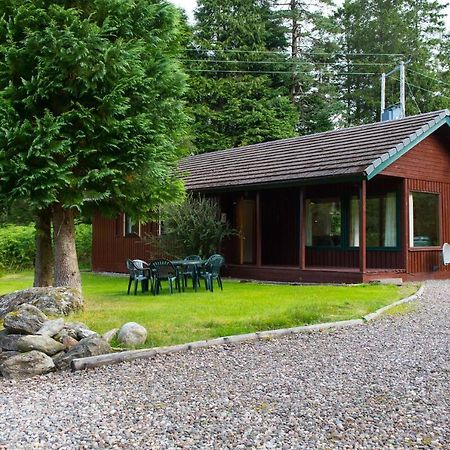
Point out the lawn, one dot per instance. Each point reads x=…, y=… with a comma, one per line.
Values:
x=240, y=308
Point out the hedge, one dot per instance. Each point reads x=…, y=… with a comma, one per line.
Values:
x=17, y=246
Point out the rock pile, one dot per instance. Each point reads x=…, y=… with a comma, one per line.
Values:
x=58, y=301
x=31, y=344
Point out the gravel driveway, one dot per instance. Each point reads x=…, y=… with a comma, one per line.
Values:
x=382, y=385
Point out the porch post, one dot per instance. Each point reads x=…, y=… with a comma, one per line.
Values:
x=362, y=227
x=405, y=213
x=302, y=253
x=258, y=230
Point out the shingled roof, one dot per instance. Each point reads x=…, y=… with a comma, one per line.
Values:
x=357, y=151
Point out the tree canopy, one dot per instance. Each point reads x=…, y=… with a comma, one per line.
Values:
x=90, y=109
x=89, y=105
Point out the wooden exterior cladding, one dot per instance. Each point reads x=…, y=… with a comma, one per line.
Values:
x=280, y=253
x=426, y=168
x=111, y=247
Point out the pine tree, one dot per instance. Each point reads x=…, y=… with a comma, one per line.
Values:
x=237, y=94
x=90, y=110
x=375, y=36
x=311, y=33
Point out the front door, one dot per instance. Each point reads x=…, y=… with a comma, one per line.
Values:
x=246, y=215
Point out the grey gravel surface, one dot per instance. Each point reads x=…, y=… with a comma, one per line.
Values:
x=381, y=385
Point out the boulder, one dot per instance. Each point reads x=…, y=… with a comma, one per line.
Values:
x=132, y=334
x=26, y=365
x=110, y=335
x=26, y=320
x=69, y=342
x=44, y=344
x=90, y=346
x=76, y=330
x=8, y=341
x=51, y=327
x=50, y=300
x=6, y=355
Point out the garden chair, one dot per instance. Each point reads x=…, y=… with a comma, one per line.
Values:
x=164, y=270
x=191, y=270
x=211, y=272
x=139, y=272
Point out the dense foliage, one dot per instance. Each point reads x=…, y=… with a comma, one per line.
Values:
x=262, y=70
x=90, y=110
x=375, y=35
x=194, y=227
x=17, y=246
x=89, y=106
x=234, y=99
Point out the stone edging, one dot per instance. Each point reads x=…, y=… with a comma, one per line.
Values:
x=130, y=355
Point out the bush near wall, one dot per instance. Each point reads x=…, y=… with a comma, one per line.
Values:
x=17, y=246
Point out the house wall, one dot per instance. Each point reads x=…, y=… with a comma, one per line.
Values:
x=111, y=249
x=426, y=168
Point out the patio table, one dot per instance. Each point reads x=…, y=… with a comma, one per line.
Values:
x=180, y=263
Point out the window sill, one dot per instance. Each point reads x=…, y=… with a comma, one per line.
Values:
x=425, y=249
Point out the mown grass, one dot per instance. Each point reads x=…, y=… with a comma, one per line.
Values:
x=240, y=308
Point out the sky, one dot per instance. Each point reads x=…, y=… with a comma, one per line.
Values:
x=189, y=6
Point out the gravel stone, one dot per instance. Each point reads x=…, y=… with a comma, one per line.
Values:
x=380, y=385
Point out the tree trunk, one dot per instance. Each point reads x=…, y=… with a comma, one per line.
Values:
x=43, y=267
x=67, y=272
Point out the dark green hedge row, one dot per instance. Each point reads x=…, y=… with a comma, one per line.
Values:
x=17, y=246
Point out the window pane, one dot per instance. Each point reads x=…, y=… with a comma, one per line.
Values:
x=382, y=220
x=131, y=226
x=354, y=222
x=425, y=214
x=323, y=223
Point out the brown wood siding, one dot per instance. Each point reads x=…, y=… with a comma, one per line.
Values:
x=110, y=249
x=376, y=259
x=430, y=260
x=384, y=259
x=428, y=160
x=332, y=258
x=427, y=169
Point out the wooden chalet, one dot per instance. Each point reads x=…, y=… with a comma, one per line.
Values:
x=351, y=205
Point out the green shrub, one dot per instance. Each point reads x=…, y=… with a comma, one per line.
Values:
x=194, y=227
x=83, y=238
x=17, y=246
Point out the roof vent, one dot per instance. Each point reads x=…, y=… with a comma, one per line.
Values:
x=392, y=113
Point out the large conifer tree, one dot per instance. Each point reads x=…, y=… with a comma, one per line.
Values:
x=237, y=96
x=89, y=110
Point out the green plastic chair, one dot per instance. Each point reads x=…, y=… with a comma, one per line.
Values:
x=211, y=272
x=164, y=270
x=139, y=273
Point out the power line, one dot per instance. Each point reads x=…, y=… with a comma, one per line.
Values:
x=279, y=62
x=280, y=72
x=429, y=77
x=413, y=96
x=426, y=90
x=284, y=52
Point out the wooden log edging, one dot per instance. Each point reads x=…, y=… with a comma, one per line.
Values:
x=131, y=355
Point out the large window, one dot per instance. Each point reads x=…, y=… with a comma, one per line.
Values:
x=424, y=219
x=381, y=221
x=323, y=222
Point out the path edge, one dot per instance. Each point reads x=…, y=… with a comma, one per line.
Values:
x=131, y=355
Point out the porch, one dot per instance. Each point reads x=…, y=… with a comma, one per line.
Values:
x=342, y=232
